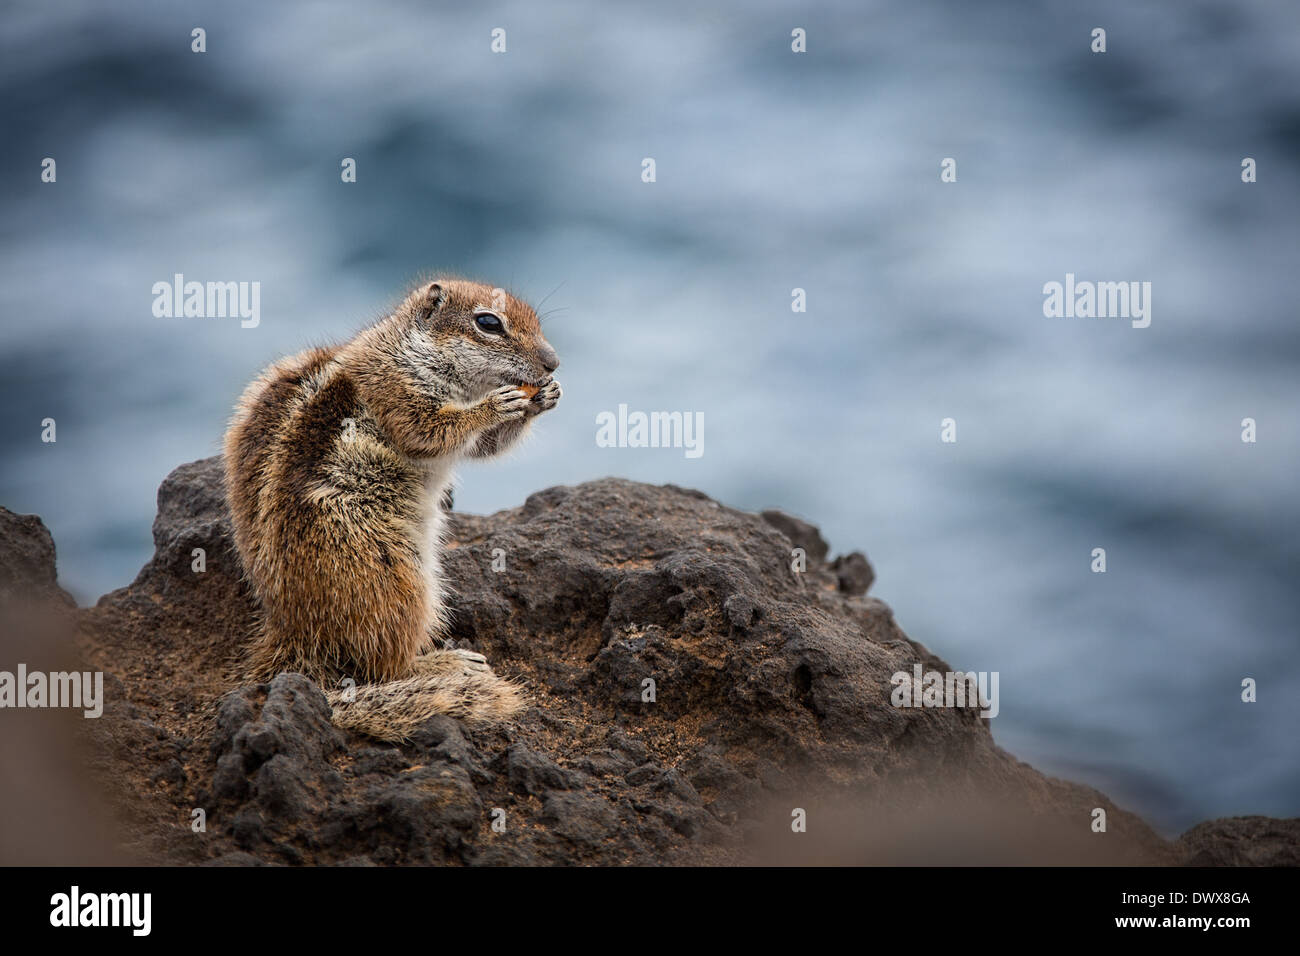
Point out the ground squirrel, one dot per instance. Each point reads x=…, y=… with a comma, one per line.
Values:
x=337, y=461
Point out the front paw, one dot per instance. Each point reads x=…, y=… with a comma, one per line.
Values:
x=507, y=403
x=545, y=399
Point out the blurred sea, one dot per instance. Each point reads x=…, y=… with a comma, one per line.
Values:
x=774, y=171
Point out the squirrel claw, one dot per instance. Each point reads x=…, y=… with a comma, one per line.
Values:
x=473, y=660
x=546, y=398
x=509, y=402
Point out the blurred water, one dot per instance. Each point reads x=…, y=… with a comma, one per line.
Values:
x=775, y=171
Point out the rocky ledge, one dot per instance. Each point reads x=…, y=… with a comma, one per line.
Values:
x=769, y=704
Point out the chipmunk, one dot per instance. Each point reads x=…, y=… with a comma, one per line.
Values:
x=337, y=461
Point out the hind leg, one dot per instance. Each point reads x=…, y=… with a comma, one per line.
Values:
x=347, y=598
x=437, y=663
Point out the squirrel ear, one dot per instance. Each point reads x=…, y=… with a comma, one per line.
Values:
x=435, y=297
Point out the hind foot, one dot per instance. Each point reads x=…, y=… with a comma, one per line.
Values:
x=452, y=662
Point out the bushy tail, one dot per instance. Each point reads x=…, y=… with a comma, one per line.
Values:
x=441, y=684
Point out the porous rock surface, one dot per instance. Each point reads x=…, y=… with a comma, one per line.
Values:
x=693, y=700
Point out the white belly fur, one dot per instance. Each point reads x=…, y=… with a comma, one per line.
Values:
x=438, y=476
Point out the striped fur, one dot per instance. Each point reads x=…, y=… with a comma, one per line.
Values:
x=337, y=460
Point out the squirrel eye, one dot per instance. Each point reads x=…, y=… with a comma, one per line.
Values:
x=489, y=323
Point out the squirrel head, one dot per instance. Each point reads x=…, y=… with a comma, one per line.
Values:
x=467, y=338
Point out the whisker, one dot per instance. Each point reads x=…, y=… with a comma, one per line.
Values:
x=551, y=293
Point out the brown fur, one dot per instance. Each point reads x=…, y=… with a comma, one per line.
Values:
x=336, y=464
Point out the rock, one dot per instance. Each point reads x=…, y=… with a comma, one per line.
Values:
x=534, y=774
x=688, y=690
x=584, y=819
x=192, y=518
x=54, y=813
x=800, y=533
x=605, y=763
x=853, y=574
x=292, y=721
x=237, y=858
x=27, y=562
x=271, y=748
x=1242, y=841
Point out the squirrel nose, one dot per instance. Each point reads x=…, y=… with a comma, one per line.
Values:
x=550, y=361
